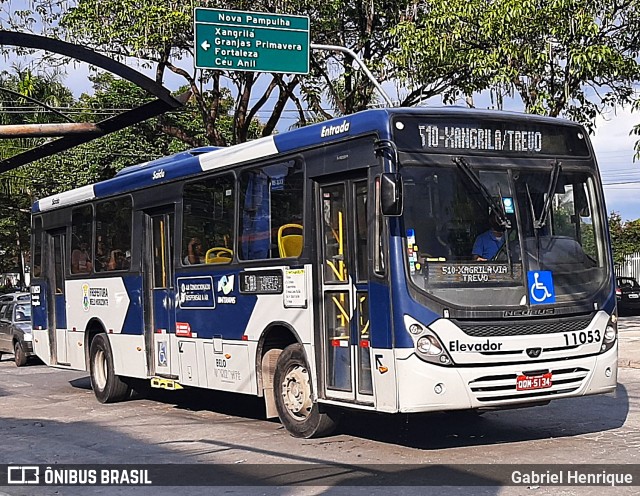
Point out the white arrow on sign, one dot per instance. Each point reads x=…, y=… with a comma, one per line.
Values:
x=205, y=45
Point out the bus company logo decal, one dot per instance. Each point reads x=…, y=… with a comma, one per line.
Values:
x=159, y=174
x=225, y=286
x=94, y=297
x=474, y=347
x=85, y=297
x=333, y=130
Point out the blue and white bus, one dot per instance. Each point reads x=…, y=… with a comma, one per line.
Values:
x=337, y=267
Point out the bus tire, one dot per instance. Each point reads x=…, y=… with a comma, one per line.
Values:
x=299, y=414
x=19, y=354
x=107, y=386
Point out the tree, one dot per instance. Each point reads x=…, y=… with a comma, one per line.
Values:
x=625, y=237
x=571, y=58
x=159, y=34
x=89, y=163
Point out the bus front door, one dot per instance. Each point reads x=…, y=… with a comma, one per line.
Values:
x=56, y=304
x=159, y=293
x=345, y=331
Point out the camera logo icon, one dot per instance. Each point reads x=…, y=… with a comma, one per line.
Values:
x=23, y=474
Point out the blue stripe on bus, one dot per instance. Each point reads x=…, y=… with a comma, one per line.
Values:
x=381, y=336
x=133, y=322
x=332, y=130
x=168, y=160
x=147, y=177
x=228, y=320
x=40, y=319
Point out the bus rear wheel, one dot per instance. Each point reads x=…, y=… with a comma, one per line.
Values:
x=107, y=386
x=299, y=414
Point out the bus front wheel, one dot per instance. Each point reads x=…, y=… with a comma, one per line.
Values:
x=299, y=414
x=107, y=386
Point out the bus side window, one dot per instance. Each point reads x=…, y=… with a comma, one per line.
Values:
x=81, y=240
x=271, y=199
x=208, y=221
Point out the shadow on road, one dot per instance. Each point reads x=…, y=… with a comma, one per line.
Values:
x=560, y=418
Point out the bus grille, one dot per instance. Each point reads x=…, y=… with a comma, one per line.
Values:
x=523, y=328
x=503, y=387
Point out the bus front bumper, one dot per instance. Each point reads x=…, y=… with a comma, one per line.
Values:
x=424, y=387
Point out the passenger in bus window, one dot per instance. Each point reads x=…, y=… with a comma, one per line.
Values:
x=101, y=260
x=487, y=244
x=116, y=260
x=194, y=252
x=80, y=261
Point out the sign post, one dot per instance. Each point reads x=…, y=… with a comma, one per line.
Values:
x=232, y=40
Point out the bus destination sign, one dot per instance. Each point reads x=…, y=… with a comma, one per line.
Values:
x=233, y=40
x=261, y=282
x=473, y=138
x=460, y=135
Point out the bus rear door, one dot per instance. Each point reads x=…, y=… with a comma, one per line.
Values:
x=159, y=292
x=56, y=295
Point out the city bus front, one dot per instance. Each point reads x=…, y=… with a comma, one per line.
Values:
x=508, y=296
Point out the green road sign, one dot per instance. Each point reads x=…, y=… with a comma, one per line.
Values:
x=233, y=40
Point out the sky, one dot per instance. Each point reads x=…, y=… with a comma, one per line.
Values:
x=614, y=148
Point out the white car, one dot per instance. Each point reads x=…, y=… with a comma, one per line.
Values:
x=20, y=296
x=15, y=330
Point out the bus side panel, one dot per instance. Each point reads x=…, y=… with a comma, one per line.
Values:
x=227, y=329
x=382, y=357
x=113, y=304
x=104, y=299
x=128, y=355
x=40, y=323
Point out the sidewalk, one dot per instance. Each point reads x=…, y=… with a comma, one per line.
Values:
x=629, y=346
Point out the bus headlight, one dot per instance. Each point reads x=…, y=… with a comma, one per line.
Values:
x=610, y=334
x=428, y=346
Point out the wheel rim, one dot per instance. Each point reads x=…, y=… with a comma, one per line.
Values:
x=100, y=370
x=296, y=392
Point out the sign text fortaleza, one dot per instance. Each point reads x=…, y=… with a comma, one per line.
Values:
x=233, y=40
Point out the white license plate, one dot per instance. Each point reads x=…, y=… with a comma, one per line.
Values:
x=634, y=296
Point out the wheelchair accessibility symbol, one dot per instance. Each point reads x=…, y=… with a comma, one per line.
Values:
x=541, y=288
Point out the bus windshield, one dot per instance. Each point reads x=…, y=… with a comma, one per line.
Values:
x=486, y=228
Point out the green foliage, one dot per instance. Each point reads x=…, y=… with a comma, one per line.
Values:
x=625, y=237
x=94, y=161
x=573, y=58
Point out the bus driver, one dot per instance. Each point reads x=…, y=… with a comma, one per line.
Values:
x=487, y=244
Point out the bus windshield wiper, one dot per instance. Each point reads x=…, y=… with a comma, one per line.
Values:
x=496, y=207
x=539, y=223
x=553, y=182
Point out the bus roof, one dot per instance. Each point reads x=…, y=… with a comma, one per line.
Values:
x=192, y=162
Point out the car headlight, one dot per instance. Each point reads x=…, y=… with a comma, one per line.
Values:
x=427, y=344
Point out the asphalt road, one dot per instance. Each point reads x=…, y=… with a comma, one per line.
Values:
x=50, y=416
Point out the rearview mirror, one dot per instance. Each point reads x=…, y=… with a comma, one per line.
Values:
x=391, y=194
